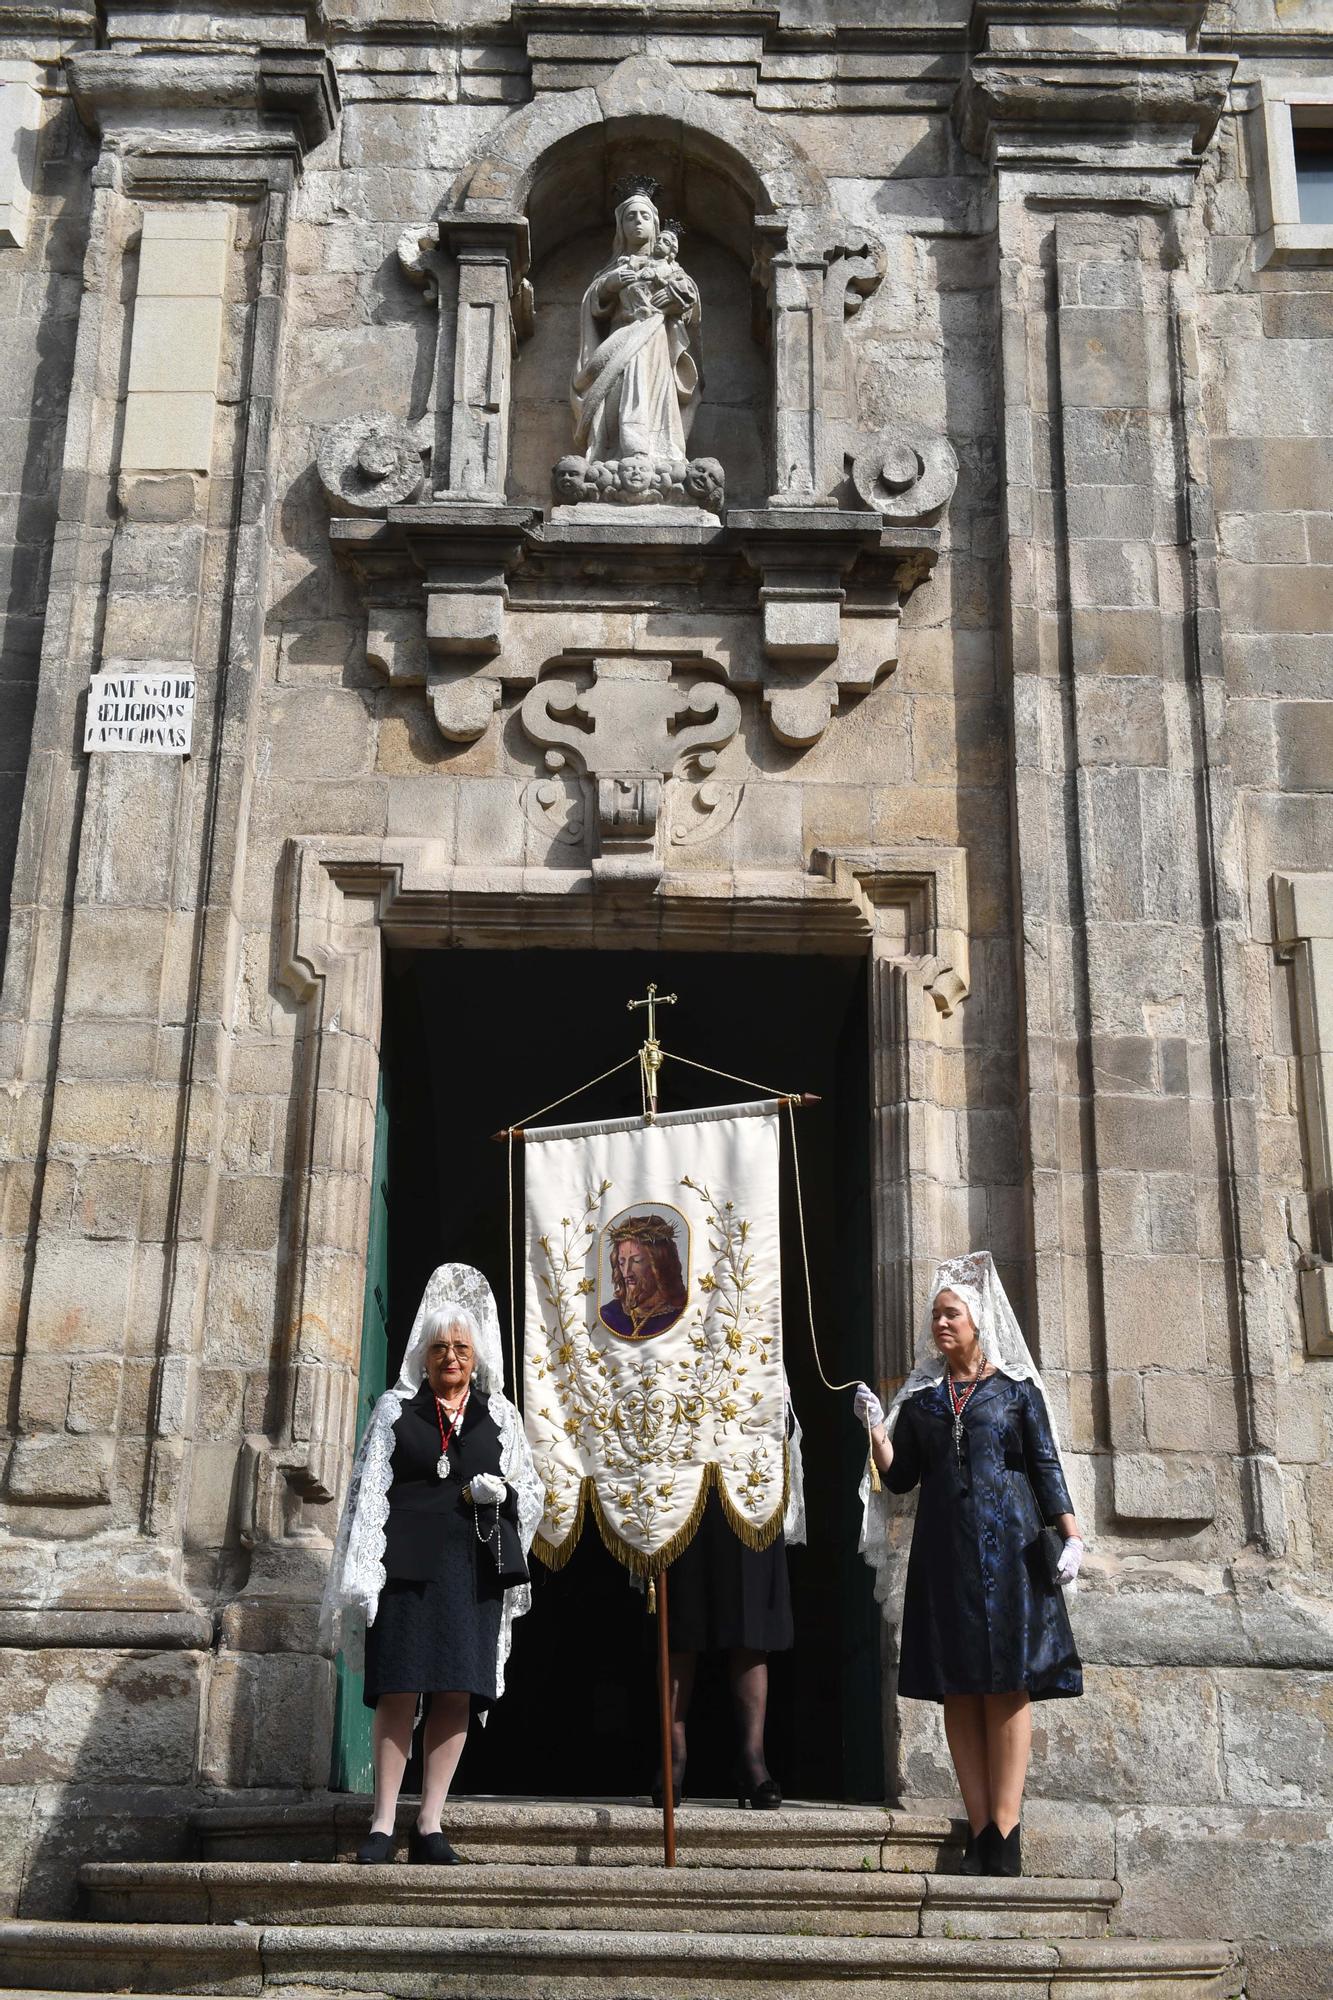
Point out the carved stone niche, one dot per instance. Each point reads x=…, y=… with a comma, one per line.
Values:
x=467, y=582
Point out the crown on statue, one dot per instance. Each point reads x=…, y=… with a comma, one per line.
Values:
x=673, y=226
x=633, y=184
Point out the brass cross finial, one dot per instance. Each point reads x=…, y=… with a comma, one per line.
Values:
x=650, y=1055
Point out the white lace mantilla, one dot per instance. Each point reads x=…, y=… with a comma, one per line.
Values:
x=356, y=1574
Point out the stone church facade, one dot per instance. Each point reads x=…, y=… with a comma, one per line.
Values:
x=984, y=636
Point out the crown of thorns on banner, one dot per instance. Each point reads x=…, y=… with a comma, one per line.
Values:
x=643, y=1229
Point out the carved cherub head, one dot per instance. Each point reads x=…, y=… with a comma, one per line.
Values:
x=636, y=473
x=571, y=478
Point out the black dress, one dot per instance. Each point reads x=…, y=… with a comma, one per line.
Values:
x=723, y=1594
x=436, y=1628
x=980, y=1614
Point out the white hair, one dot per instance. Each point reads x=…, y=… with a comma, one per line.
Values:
x=440, y=1319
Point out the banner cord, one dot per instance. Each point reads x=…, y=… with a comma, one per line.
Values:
x=836, y=1387
x=513, y=1299
x=728, y=1076
x=577, y=1091
x=764, y=1089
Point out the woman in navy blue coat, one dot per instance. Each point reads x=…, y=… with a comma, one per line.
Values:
x=984, y=1627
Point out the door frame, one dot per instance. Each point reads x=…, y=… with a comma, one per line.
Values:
x=344, y=898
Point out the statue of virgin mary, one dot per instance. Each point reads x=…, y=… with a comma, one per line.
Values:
x=635, y=388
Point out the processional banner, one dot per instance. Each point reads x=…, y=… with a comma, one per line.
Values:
x=652, y=1356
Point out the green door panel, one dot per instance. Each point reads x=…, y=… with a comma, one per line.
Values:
x=352, y=1770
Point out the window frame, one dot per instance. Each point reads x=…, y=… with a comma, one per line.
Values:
x=1283, y=237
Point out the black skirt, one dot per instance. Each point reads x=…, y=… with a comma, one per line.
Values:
x=434, y=1637
x=722, y=1594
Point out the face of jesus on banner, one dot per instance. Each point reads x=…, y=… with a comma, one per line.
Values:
x=644, y=1261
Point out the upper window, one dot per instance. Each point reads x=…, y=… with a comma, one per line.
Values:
x=1312, y=149
x=1294, y=172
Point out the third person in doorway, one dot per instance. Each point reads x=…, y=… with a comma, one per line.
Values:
x=726, y=1597
x=985, y=1631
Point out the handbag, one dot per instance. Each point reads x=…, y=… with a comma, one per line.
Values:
x=1052, y=1546
x=1048, y=1543
x=501, y=1562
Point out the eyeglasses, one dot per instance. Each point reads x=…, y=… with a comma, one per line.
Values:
x=462, y=1348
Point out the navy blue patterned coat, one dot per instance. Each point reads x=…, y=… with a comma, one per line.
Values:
x=980, y=1614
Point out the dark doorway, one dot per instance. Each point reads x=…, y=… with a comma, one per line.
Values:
x=475, y=1040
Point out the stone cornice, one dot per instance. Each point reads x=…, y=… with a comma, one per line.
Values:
x=188, y=102
x=62, y=20
x=1031, y=107
x=1092, y=85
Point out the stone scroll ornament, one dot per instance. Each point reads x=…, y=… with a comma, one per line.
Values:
x=369, y=463
x=638, y=375
x=652, y=1354
x=904, y=478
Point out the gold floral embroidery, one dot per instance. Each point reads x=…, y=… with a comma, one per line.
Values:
x=651, y=1414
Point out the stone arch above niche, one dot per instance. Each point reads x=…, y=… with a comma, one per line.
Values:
x=547, y=172
x=794, y=594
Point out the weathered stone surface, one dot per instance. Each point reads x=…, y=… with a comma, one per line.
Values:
x=268, y=1720
x=1231, y=1866
x=99, y=1717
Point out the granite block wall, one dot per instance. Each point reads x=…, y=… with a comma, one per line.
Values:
x=1065, y=785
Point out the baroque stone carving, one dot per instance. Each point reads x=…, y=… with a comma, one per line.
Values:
x=638, y=374
x=370, y=462
x=555, y=807
x=903, y=478
x=642, y=481
x=629, y=731
x=701, y=812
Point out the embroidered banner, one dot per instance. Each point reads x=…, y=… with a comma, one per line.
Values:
x=652, y=1355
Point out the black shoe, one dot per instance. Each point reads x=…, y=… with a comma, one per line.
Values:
x=375, y=1849
x=980, y=1848
x=1008, y=1853
x=677, y=1784
x=430, y=1848
x=763, y=1797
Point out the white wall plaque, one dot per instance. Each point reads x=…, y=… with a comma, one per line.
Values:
x=140, y=712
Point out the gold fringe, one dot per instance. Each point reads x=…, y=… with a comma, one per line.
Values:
x=876, y=1483
x=555, y=1556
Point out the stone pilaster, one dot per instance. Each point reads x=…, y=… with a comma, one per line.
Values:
x=185, y=271
x=1144, y=1213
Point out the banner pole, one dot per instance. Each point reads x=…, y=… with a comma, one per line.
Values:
x=664, y=1690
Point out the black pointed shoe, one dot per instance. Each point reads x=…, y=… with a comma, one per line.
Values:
x=375, y=1849
x=430, y=1849
x=763, y=1797
x=1009, y=1852
x=979, y=1846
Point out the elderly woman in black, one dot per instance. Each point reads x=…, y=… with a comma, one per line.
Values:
x=984, y=1628
x=419, y=1554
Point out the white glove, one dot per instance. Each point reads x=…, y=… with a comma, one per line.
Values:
x=488, y=1489
x=1070, y=1558
x=869, y=1410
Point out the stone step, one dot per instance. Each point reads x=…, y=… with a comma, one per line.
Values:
x=810, y=1901
x=1059, y=1841
x=622, y=1832
x=429, y=1963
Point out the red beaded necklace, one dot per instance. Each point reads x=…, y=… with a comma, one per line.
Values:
x=446, y=1438
x=959, y=1403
